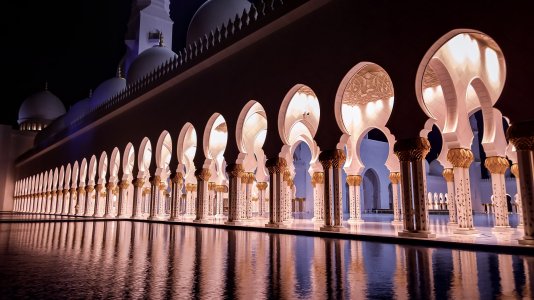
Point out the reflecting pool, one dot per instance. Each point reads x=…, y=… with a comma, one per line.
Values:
x=123, y=259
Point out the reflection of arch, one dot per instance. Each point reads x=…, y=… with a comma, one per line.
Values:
x=371, y=190
x=144, y=158
x=251, y=132
x=185, y=150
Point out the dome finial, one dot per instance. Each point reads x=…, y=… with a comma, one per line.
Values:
x=90, y=93
x=46, y=85
x=119, y=72
x=161, y=43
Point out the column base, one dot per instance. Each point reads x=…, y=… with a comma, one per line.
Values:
x=500, y=229
x=108, y=216
x=526, y=241
x=317, y=220
x=139, y=217
x=452, y=224
x=202, y=221
x=333, y=228
x=398, y=222
x=417, y=234
x=355, y=221
x=275, y=225
x=465, y=231
x=156, y=218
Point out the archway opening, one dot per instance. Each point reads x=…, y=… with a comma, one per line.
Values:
x=371, y=191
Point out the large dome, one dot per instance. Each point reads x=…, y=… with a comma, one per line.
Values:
x=42, y=107
x=212, y=15
x=148, y=61
x=106, y=90
x=77, y=110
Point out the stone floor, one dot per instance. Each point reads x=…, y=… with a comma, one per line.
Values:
x=378, y=225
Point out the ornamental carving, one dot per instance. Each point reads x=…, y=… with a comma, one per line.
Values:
x=138, y=182
x=521, y=135
x=515, y=170
x=412, y=149
x=124, y=184
x=430, y=79
x=368, y=86
x=261, y=186
x=306, y=91
x=222, y=127
x=394, y=177
x=247, y=178
x=234, y=170
x=333, y=158
x=178, y=178
x=276, y=165
x=460, y=157
x=448, y=174
x=496, y=164
x=221, y=188
x=317, y=178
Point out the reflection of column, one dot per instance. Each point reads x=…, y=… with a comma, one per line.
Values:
x=89, y=200
x=212, y=199
x=515, y=171
x=235, y=172
x=276, y=167
x=448, y=174
x=394, y=177
x=202, y=175
x=357, y=275
x=249, y=180
x=137, y=207
x=80, y=204
x=123, y=199
x=400, y=279
x=465, y=278
x=318, y=196
x=411, y=153
x=110, y=186
x=262, y=187
x=354, y=182
x=520, y=134
x=332, y=162
x=461, y=159
x=176, y=192
x=497, y=167
x=507, y=280
x=420, y=275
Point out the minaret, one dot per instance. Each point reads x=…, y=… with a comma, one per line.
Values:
x=148, y=20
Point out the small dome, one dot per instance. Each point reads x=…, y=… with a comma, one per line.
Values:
x=148, y=61
x=212, y=15
x=435, y=168
x=77, y=110
x=42, y=107
x=106, y=90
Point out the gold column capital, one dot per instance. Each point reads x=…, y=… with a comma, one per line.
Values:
x=276, y=165
x=521, y=135
x=234, y=170
x=496, y=164
x=178, y=178
x=412, y=149
x=354, y=180
x=124, y=184
x=448, y=174
x=89, y=188
x=332, y=158
x=261, y=186
x=98, y=188
x=203, y=174
x=139, y=182
x=395, y=177
x=211, y=186
x=460, y=157
x=221, y=188
x=110, y=185
x=515, y=170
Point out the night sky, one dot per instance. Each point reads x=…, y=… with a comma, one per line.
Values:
x=74, y=45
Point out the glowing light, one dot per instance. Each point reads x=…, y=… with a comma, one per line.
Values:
x=492, y=65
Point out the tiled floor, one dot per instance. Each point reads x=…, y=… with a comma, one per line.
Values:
x=374, y=225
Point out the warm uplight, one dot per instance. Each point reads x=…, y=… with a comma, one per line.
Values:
x=492, y=66
x=462, y=47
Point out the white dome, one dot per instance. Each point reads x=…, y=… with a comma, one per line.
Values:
x=106, y=90
x=148, y=61
x=41, y=107
x=77, y=110
x=212, y=15
x=435, y=168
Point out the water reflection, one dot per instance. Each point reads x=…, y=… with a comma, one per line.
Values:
x=141, y=260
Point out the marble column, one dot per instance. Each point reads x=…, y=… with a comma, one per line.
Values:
x=235, y=172
x=448, y=174
x=73, y=201
x=122, y=205
x=332, y=161
x=262, y=187
x=354, y=182
x=318, y=196
x=80, y=204
x=276, y=167
x=395, y=178
x=219, y=202
x=461, y=159
x=521, y=136
x=202, y=202
x=89, y=201
x=108, y=209
x=154, y=197
x=248, y=180
x=137, y=206
x=515, y=170
x=176, y=193
x=497, y=167
x=100, y=199
x=411, y=153
x=59, y=202
x=66, y=201
x=212, y=196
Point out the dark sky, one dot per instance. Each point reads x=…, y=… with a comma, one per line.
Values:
x=74, y=45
